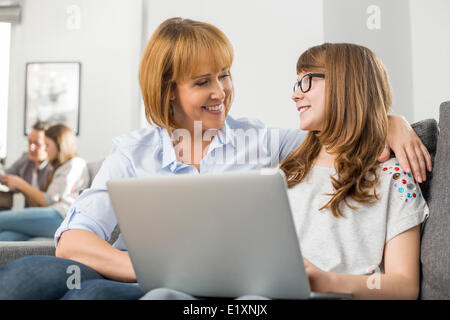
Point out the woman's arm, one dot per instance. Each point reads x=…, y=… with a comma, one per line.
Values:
x=400, y=280
x=412, y=155
x=93, y=210
x=87, y=248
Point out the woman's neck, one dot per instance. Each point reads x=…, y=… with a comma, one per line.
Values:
x=192, y=150
x=325, y=159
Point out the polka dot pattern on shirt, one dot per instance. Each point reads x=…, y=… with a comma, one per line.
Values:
x=404, y=183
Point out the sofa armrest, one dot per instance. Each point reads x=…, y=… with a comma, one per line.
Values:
x=12, y=250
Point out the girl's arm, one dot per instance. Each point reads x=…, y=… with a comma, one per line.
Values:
x=400, y=280
x=87, y=248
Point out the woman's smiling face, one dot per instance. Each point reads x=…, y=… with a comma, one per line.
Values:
x=311, y=104
x=202, y=98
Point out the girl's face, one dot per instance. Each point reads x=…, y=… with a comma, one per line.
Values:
x=311, y=104
x=52, y=149
x=202, y=98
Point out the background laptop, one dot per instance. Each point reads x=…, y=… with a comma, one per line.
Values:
x=213, y=235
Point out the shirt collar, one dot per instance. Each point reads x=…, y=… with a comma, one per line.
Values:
x=224, y=136
x=43, y=165
x=168, y=151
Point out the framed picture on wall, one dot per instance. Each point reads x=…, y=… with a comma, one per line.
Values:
x=52, y=94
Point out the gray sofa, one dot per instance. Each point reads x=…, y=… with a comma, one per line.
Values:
x=435, y=251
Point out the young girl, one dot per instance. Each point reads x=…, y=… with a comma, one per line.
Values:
x=48, y=209
x=187, y=90
x=354, y=216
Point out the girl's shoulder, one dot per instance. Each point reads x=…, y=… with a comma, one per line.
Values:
x=74, y=163
x=78, y=161
x=391, y=169
x=405, y=205
x=400, y=184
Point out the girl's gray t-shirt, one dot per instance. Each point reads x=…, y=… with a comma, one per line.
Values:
x=354, y=244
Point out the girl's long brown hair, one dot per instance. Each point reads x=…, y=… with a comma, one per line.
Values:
x=66, y=143
x=357, y=98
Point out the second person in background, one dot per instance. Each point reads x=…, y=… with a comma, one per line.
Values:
x=49, y=207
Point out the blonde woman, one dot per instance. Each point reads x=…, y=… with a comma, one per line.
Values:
x=187, y=89
x=49, y=207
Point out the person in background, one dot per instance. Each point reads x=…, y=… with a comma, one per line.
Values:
x=33, y=166
x=49, y=207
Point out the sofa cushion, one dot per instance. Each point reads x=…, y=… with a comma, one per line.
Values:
x=435, y=249
x=12, y=250
x=428, y=132
x=93, y=168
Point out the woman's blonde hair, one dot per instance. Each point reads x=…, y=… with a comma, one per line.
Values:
x=66, y=144
x=174, y=53
x=357, y=98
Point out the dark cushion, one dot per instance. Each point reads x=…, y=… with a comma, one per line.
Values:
x=114, y=235
x=428, y=132
x=435, y=248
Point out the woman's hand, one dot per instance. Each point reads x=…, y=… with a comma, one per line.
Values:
x=408, y=148
x=14, y=183
x=319, y=280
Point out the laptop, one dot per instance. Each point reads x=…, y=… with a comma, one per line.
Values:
x=213, y=235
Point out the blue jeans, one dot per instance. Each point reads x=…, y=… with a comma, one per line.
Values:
x=51, y=278
x=20, y=225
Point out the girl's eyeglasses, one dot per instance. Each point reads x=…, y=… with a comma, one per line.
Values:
x=305, y=82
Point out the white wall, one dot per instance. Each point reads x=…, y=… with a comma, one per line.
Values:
x=108, y=45
x=5, y=31
x=384, y=27
x=413, y=41
x=430, y=29
x=267, y=37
